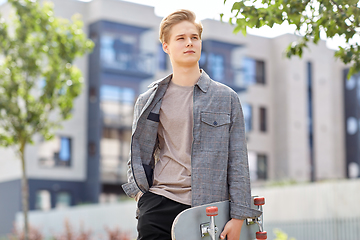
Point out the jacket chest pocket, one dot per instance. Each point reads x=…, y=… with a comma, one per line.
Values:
x=215, y=131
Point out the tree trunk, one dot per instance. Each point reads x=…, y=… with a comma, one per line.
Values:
x=25, y=193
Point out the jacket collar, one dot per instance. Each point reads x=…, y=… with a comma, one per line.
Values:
x=203, y=83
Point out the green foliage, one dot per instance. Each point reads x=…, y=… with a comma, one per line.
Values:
x=281, y=235
x=37, y=76
x=332, y=17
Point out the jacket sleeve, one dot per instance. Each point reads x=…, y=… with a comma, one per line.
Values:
x=130, y=188
x=238, y=168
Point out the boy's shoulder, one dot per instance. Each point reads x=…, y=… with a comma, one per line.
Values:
x=219, y=88
x=153, y=86
x=205, y=83
x=163, y=80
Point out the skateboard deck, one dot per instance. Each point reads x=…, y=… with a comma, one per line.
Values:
x=188, y=224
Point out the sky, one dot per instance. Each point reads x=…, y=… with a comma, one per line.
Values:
x=212, y=8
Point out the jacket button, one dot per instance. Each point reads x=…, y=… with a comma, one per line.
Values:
x=215, y=123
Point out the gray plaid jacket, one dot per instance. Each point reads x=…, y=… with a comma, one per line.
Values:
x=219, y=154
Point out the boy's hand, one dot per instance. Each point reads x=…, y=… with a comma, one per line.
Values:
x=232, y=229
x=138, y=195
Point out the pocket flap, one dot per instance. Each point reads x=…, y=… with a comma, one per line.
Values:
x=215, y=119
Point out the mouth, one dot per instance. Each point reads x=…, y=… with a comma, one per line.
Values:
x=190, y=51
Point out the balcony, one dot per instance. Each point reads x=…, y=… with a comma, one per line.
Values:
x=123, y=55
x=139, y=65
x=113, y=159
x=117, y=115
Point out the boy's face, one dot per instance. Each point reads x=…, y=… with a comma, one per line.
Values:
x=184, y=44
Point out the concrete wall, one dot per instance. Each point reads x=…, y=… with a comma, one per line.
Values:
x=326, y=200
x=10, y=193
x=10, y=165
x=301, y=202
x=94, y=217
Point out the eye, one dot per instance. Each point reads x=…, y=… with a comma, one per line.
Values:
x=180, y=38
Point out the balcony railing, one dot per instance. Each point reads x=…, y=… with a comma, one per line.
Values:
x=113, y=169
x=126, y=63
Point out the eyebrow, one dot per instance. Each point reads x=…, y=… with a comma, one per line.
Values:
x=193, y=34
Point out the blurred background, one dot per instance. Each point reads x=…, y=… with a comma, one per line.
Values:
x=302, y=121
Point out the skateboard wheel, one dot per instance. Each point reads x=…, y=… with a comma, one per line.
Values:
x=261, y=235
x=259, y=201
x=211, y=211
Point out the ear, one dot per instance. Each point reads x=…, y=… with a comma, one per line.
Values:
x=165, y=47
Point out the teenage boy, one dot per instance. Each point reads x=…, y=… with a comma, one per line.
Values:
x=188, y=143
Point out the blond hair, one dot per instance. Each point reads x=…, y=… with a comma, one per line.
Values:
x=175, y=18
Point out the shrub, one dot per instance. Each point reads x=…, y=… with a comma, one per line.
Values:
x=34, y=234
x=69, y=233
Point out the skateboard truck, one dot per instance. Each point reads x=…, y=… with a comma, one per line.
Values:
x=258, y=201
x=210, y=228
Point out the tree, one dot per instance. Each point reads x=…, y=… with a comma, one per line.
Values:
x=38, y=81
x=311, y=18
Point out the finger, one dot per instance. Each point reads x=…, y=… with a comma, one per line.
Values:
x=224, y=233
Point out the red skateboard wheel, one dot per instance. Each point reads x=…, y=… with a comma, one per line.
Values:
x=261, y=235
x=211, y=211
x=259, y=201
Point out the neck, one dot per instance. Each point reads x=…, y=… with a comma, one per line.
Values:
x=186, y=76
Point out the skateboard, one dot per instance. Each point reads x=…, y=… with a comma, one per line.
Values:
x=206, y=222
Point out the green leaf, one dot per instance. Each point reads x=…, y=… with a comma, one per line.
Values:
x=237, y=29
x=236, y=6
x=336, y=18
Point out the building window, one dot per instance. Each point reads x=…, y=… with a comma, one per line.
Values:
x=216, y=66
x=310, y=119
x=117, y=112
x=43, y=200
x=261, y=167
x=352, y=123
x=257, y=166
x=122, y=52
x=55, y=152
x=247, y=111
x=63, y=199
x=254, y=71
x=263, y=119
x=117, y=105
x=118, y=51
x=114, y=153
x=162, y=58
x=108, y=198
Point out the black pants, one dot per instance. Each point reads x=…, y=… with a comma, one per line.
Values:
x=157, y=214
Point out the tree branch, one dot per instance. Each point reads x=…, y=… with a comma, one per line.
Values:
x=342, y=11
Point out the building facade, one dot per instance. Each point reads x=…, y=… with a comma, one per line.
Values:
x=295, y=109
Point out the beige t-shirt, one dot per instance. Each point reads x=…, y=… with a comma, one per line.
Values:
x=172, y=173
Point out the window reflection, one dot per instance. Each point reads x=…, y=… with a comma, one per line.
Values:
x=117, y=109
x=55, y=152
x=263, y=119
x=162, y=58
x=257, y=166
x=122, y=52
x=247, y=111
x=261, y=166
x=117, y=105
x=43, y=200
x=254, y=71
x=216, y=66
x=63, y=199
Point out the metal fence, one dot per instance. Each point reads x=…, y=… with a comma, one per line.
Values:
x=332, y=229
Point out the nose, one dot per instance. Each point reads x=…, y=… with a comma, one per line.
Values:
x=189, y=42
